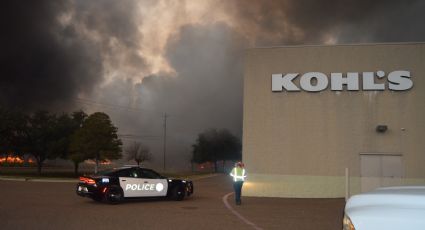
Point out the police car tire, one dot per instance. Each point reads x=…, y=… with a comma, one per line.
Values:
x=178, y=193
x=117, y=198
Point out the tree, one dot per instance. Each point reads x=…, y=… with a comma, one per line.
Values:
x=64, y=127
x=138, y=152
x=97, y=139
x=213, y=146
x=40, y=137
x=76, y=156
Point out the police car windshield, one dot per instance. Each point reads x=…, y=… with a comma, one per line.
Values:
x=106, y=172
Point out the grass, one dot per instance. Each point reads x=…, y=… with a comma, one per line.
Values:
x=66, y=173
x=31, y=174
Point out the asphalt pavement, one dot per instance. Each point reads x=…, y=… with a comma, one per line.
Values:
x=46, y=205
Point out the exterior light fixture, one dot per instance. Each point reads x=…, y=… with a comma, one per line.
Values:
x=381, y=128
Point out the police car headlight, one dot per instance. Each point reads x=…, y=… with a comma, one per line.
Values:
x=347, y=224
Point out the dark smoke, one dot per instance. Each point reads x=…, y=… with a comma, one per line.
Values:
x=393, y=21
x=46, y=62
x=42, y=61
x=207, y=93
x=116, y=27
x=298, y=22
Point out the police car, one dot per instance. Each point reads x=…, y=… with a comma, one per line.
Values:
x=115, y=185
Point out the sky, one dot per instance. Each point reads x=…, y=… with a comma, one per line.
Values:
x=139, y=60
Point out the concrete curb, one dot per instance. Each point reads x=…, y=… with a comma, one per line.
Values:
x=200, y=177
x=29, y=179
x=237, y=214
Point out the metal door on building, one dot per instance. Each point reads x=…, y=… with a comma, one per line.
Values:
x=380, y=170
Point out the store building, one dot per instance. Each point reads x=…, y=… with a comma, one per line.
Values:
x=327, y=121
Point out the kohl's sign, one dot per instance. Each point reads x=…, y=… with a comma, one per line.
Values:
x=398, y=80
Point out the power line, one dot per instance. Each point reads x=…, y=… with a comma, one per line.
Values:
x=111, y=106
x=134, y=135
x=138, y=138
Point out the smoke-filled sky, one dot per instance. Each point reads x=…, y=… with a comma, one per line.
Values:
x=137, y=60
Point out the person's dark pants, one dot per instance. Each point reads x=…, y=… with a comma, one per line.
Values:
x=237, y=186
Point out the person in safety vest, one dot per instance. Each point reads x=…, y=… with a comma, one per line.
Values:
x=239, y=174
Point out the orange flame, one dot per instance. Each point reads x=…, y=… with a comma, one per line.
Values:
x=92, y=162
x=14, y=160
x=18, y=160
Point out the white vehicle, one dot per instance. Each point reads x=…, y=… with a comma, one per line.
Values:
x=390, y=208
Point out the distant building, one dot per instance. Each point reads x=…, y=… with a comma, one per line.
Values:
x=311, y=113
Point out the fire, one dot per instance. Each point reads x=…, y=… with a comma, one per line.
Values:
x=18, y=160
x=205, y=165
x=92, y=162
x=15, y=160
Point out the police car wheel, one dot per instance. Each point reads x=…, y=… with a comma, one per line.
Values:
x=113, y=195
x=178, y=193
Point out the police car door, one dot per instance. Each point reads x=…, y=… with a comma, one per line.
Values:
x=132, y=183
x=159, y=185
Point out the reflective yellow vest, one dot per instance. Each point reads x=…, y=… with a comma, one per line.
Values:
x=238, y=174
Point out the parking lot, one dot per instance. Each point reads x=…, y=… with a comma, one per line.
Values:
x=54, y=205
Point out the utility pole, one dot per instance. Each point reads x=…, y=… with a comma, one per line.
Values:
x=165, y=138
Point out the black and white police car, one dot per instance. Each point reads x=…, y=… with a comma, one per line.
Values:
x=115, y=185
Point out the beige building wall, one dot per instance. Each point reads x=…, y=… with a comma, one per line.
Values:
x=299, y=144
